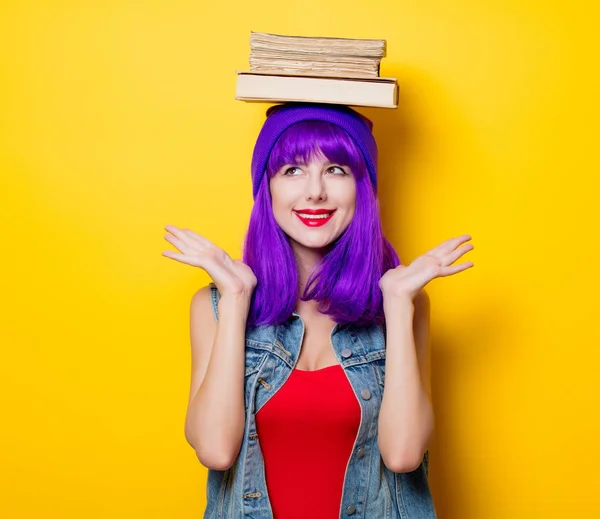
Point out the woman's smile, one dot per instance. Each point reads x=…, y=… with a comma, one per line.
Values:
x=314, y=217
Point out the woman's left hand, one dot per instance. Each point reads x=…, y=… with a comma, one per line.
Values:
x=404, y=281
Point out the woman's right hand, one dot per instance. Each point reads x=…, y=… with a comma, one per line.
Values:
x=232, y=277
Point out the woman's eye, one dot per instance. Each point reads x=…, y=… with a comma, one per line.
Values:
x=290, y=171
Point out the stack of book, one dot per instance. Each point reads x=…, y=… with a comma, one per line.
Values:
x=316, y=69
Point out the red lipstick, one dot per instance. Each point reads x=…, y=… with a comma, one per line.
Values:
x=318, y=219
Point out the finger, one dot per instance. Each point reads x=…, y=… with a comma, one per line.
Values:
x=220, y=275
x=454, y=255
x=449, y=245
x=194, y=260
x=455, y=269
x=180, y=244
x=198, y=238
x=188, y=236
x=189, y=260
x=179, y=235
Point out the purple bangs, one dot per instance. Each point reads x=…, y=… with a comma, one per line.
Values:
x=306, y=140
x=346, y=280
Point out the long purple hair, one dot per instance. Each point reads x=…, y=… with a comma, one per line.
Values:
x=345, y=281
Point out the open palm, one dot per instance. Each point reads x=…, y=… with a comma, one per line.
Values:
x=409, y=280
x=229, y=275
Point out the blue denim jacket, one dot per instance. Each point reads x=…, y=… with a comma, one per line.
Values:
x=370, y=490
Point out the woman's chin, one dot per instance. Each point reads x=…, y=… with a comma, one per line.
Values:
x=318, y=245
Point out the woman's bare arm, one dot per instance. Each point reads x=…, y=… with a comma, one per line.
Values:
x=215, y=418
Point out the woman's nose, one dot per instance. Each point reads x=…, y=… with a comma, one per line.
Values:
x=315, y=188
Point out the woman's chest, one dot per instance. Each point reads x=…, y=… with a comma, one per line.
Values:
x=272, y=355
x=316, y=349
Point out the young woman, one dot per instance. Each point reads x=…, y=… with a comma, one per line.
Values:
x=310, y=394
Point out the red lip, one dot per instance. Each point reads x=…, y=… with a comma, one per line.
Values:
x=315, y=211
x=315, y=222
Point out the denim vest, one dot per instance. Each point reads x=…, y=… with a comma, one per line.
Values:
x=370, y=490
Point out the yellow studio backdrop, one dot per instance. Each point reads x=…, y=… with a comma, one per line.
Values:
x=118, y=117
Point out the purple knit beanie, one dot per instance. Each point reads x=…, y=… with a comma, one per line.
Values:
x=281, y=117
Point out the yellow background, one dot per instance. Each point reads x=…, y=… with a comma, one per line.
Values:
x=118, y=117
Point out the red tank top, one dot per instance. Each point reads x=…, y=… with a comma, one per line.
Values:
x=306, y=432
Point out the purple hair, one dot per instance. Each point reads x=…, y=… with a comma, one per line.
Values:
x=346, y=280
